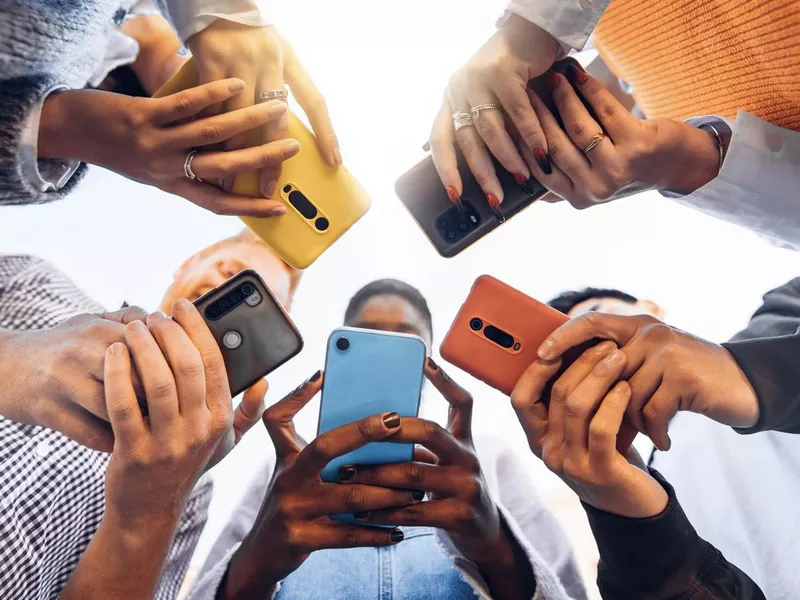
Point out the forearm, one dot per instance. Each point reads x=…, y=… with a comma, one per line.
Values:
x=507, y=570
x=246, y=576
x=120, y=563
x=157, y=60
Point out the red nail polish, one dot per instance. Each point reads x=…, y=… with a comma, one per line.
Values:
x=520, y=179
x=551, y=79
x=452, y=193
x=542, y=160
x=576, y=74
x=494, y=204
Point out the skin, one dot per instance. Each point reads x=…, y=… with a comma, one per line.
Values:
x=388, y=312
x=615, y=306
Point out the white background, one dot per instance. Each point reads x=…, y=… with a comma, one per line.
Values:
x=382, y=67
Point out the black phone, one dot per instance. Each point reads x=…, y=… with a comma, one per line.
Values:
x=451, y=230
x=252, y=329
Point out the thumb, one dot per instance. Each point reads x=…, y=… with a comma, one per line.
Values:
x=126, y=315
x=527, y=401
x=250, y=409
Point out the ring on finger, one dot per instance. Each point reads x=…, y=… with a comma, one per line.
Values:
x=596, y=139
x=187, y=167
x=475, y=111
x=267, y=95
x=462, y=119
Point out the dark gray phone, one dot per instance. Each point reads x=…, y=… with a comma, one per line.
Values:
x=253, y=330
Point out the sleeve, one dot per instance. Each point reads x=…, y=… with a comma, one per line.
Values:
x=571, y=22
x=663, y=558
x=190, y=527
x=192, y=16
x=24, y=179
x=779, y=313
x=757, y=185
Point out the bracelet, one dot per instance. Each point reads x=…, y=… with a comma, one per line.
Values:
x=721, y=146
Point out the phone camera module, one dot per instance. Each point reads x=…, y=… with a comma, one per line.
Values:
x=224, y=304
x=476, y=324
x=247, y=289
x=212, y=312
x=321, y=224
x=287, y=189
x=236, y=297
x=342, y=343
x=517, y=346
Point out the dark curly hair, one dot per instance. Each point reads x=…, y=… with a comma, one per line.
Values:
x=566, y=301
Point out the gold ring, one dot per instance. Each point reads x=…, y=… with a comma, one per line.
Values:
x=596, y=139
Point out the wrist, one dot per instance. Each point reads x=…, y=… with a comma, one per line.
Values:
x=641, y=497
x=55, y=139
x=695, y=159
x=139, y=537
x=529, y=41
x=251, y=574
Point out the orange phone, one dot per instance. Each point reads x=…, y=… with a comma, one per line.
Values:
x=496, y=335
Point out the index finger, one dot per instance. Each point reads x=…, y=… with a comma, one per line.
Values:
x=123, y=407
x=513, y=95
x=279, y=418
x=574, y=332
x=527, y=401
x=342, y=440
x=188, y=103
x=459, y=419
x=313, y=104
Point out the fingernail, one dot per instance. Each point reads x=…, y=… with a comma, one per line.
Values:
x=576, y=75
x=347, y=472
x=276, y=110
x=137, y=326
x=606, y=346
x=494, y=204
x=181, y=305
x=156, y=315
x=315, y=376
x=237, y=85
x=545, y=351
x=542, y=160
x=418, y=495
x=615, y=357
x=276, y=211
x=551, y=79
x=426, y=147
x=669, y=444
x=361, y=514
x=432, y=364
x=520, y=179
x=337, y=157
x=269, y=189
x=452, y=193
x=391, y=420
x=397, y=535
x=290, y=148
x=116, y=348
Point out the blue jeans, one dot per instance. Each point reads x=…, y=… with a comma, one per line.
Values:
x=415, y=569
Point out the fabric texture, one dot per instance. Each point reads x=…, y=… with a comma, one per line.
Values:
x=521, y=507
x=686, y=58
x=52, y=495
x=571, y=22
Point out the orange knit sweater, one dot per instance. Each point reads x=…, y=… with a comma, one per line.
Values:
x=693, y=57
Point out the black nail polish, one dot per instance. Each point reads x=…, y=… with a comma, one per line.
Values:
x=316, y=376
x=542, y=160
x=418, y=495
x=361, y=515
x=346, y=473
x=397, y=535
x=432, y=364
x=575, y=74
x=391, y=420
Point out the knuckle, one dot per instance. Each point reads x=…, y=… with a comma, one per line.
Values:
x=182, y=105
x=320, y=449
x=559, y=392
x=602, y=190
x=599, y=433
x=575, y=407
x=432, y=430
x=410, y=515
x=124, y=412
x=294, y=539
x=366, y=429
x=413, y=474
x=572, y=468
x=577, y=130
x=473, y=490
x=351, y=538
x=209, y=132
x=191, y=367
x=354, y=499
x=162, y=388
x=467, y=145
x=466, y=517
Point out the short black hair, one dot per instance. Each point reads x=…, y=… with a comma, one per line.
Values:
x=566, y=301
x=389, y=287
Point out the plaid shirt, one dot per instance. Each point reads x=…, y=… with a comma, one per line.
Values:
x=52, y=494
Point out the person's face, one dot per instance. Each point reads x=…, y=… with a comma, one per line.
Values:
x=212, y=266
x=615, y=306
x=388, y=312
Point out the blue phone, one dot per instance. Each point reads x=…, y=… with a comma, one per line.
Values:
x=367, y=373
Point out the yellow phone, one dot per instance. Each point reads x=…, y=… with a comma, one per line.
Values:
x=322, y=202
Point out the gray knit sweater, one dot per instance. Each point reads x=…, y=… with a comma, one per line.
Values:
x=43, y=44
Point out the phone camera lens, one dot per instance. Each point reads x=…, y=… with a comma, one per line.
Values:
x=287, y=189
x=463, y=226
x=451, y=235
x=236, y=297
x=321, y=224
x=247, y=289
x=224, y=304
x=476, y=324
x=342, y=343
x=212, y=311
x=517, y=346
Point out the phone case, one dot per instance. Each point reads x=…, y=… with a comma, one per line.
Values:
x=323, y=202
x=379, y=372
x=525, y=321
x=267, y=337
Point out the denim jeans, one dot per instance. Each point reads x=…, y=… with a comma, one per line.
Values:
x=415, y=569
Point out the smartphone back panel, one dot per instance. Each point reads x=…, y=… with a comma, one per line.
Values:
x=322, y=202
x=256, y=336
x=378, y=372
x=496, y=334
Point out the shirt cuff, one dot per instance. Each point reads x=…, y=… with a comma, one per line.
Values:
x=571, y=22
x=192, y=16
x=642, y=554
x=43, y=176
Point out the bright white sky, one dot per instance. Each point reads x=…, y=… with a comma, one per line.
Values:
x=383, y=67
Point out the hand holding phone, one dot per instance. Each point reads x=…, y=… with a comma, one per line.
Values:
x=497, y=333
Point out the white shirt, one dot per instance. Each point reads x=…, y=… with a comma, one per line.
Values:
x=759, y=181
x=187, y=16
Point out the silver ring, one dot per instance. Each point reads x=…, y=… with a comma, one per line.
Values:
x=267, y=95
x=475, y=111
x=187, y=167
x=596, y=139
x=462, y=119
